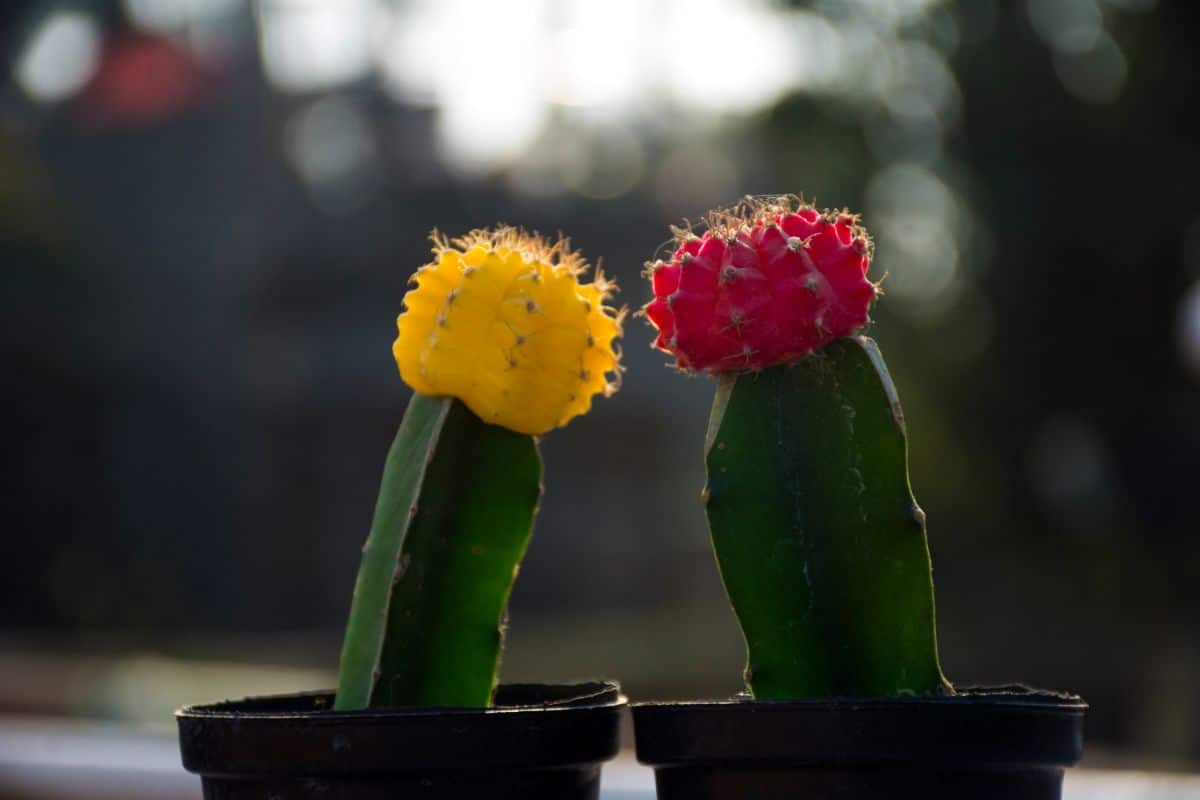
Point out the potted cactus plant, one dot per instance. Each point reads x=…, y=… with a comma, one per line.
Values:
x=501, y=341
x=820, y=543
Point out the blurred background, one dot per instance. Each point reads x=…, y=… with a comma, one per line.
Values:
x=209, y=210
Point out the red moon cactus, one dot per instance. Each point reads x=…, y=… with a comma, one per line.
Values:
x=768, y=282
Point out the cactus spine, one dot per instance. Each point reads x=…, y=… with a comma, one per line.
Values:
x=820, y=544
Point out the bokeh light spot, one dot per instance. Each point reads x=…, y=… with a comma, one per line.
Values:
x=915, y=219
x=695, y=177
x=614, y=164
x=311, y=45
x=173, y=16
x=1096, y=75
x=61, y=56
x=330, y=144
x=1069, y=25
x=1188, y=327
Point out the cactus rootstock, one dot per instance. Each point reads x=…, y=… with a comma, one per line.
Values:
x=768, y=282
x=820, y=543
x=455, y=513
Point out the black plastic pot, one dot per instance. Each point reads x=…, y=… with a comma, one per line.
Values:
x=537, y=741
x=1007, y=743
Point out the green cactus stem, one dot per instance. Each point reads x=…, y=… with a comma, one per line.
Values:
x=453, y=518
x=820, y=543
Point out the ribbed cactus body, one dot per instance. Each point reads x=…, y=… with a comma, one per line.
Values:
x=765, y=285
x=821, y=545
x=501, y=321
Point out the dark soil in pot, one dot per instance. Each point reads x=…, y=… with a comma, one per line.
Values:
x=537, y=741
x=1006, y=743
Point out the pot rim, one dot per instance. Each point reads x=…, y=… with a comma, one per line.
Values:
x=585, y=694
x=1003, y=696
x=533, y=727
x=1005, y=727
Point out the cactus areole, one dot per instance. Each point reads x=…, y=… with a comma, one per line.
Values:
x=821, y=546
x=501, y=340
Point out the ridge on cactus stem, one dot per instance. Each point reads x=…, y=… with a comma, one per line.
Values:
x=501, y=341
x=767, y=282
x=819, y=541
x=501, y=320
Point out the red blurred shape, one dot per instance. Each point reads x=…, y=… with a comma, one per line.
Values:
x=144, y=80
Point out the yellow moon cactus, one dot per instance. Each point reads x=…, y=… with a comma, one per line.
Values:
x=501, y=320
